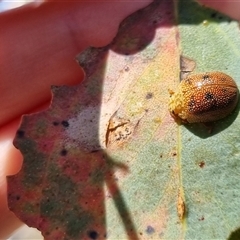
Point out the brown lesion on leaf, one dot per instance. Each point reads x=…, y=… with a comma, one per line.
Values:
x=20, y=133
x=201, y=164
x=63, y=152
x=93, y=234
x=119, y=131
x=149, y=95
x=173, y=152
x=187, y=65
x=65, y=123
x=55, y=123
x=181, y=207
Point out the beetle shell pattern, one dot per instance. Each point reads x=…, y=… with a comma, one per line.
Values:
x=204, y=97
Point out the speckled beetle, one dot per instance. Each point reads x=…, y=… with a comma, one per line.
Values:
x=204, y=97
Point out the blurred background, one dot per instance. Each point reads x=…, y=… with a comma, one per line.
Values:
x=10, y=4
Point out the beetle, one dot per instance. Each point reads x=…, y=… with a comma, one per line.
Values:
x=204, y=97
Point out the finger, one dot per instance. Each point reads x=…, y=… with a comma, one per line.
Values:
x=39, y=45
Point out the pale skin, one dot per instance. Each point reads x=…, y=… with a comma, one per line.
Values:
x=32, y=58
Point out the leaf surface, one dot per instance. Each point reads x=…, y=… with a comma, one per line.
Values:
x=107, y=160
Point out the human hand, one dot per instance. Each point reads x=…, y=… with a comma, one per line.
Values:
x=40, y=44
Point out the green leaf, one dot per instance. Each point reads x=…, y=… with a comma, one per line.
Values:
x=210, y=162
x=107, y=160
